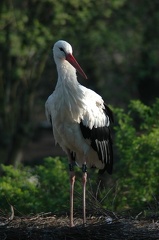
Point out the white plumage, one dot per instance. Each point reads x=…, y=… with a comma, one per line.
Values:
x=79, y=117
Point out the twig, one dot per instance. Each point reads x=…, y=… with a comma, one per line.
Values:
x=12, y=213
x=98, y=188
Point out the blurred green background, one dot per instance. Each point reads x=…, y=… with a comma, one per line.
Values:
x=117, y=44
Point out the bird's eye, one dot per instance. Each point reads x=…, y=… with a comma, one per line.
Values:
x=61, y=49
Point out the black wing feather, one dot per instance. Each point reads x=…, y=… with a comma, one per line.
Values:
x=101, y=141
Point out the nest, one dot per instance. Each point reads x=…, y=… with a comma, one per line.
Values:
x=100, y=227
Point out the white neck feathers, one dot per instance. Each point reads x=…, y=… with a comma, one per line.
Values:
x=70, y=93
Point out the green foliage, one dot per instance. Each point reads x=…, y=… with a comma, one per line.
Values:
x=44, y=188
x=53, y=185
x=137, y=142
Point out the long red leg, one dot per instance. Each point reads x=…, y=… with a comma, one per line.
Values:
x=84, y=180
x=72, y=181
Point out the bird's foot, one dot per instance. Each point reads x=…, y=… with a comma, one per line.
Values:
x=71, y=224
x=84, y=224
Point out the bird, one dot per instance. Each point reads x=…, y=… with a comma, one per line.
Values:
x=80, y=121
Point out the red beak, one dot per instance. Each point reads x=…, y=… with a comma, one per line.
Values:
x=70, y=58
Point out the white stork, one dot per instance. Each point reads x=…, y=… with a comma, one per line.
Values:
x=80, y=120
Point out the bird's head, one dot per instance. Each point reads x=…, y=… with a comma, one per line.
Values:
x=62, y=50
